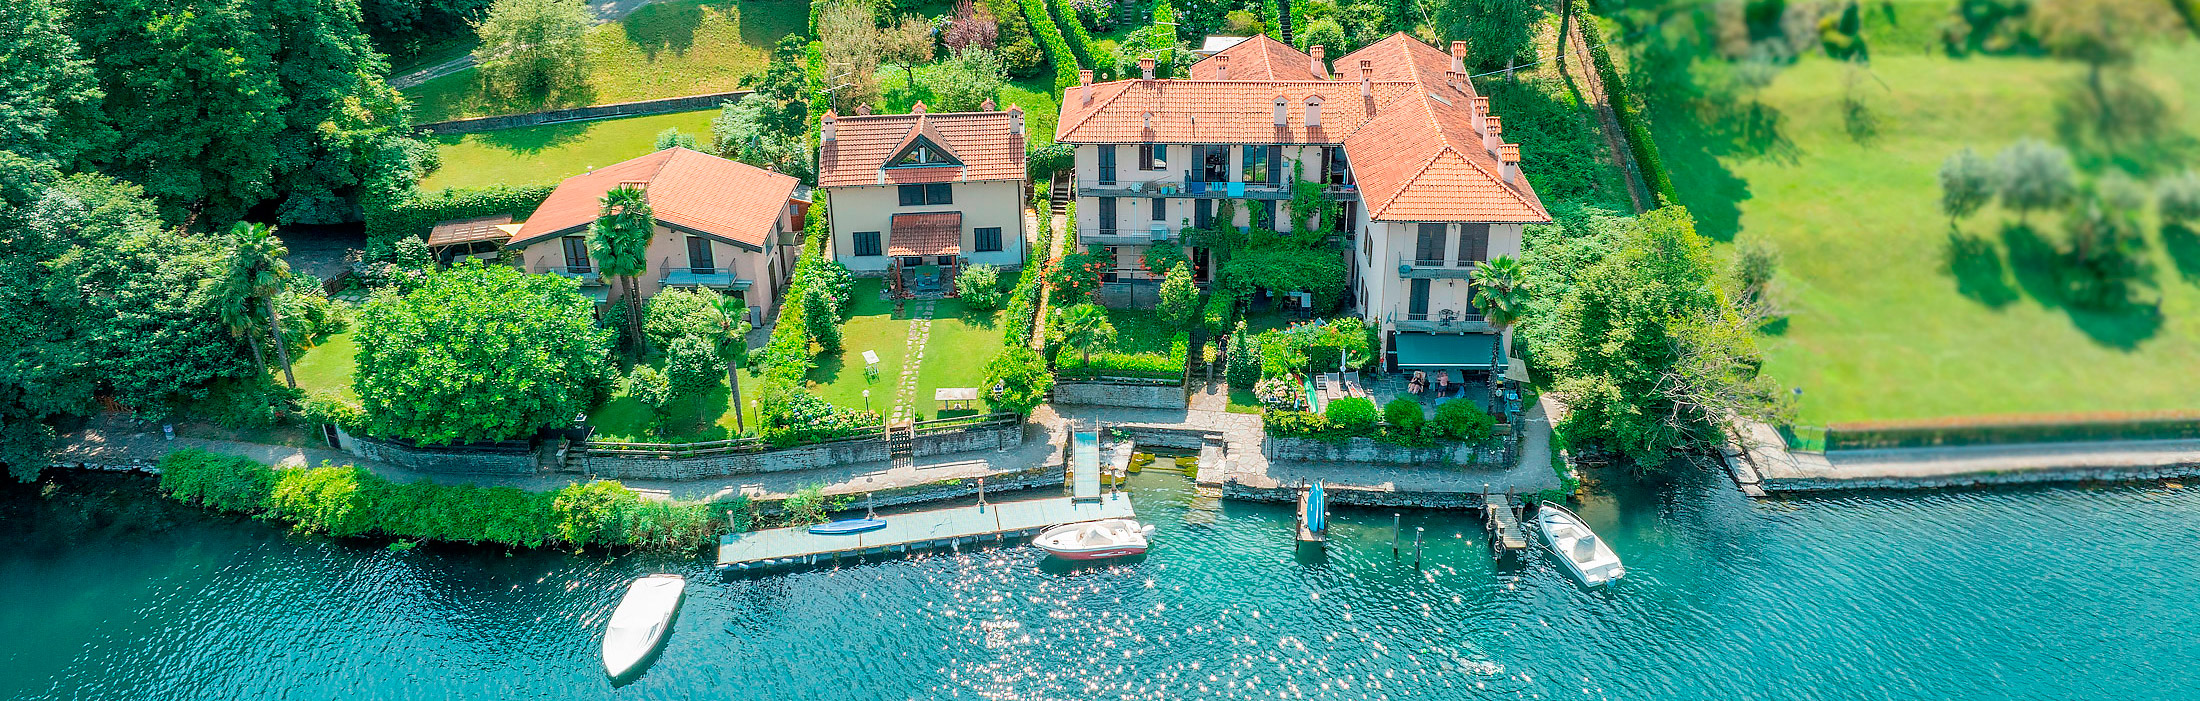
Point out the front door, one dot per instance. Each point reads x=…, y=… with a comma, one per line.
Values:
x=699, y=257
x=1417, y=300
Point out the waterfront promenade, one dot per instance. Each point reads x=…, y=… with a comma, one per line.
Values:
x=1762, y=464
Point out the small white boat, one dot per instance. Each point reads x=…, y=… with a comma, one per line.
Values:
x=1094, y=540
x=640, y=623
x=1591, y=560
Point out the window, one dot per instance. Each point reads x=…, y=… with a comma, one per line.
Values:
x=1160, y=209
x=945, y=260
x=1214, y=164
x=1153, y=156
x=1107, y=164
x=700, y=260
x=1335, y=170
x=1107, y=216
x=924, y=153
x=1256, y=165
x=867, y=243
x=932, y=194
x=1203, y=213
x=1268, y=212
x=1417, y=300
x=1428, y=248
x=986, y=238
x=1474, y=244
x=911, y=261
x=576, y=255
x=1367, y=247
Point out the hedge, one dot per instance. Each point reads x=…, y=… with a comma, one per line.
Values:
x=1151, y=365
x=1073, y=32
x=2022, y=428
x=1631, y=121
x=1023, y=304
x=417, y=211
x=788, y=414
x=1050, y=38
x=348, y=501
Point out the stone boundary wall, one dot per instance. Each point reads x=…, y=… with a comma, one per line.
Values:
x=620, y=109
x=449, y=461
x=1355, y=496
x=1368, y=450
x=1135, y=396
x=1986, y=479
x=1041, y=477
x=1165, y=436
x=798, y=458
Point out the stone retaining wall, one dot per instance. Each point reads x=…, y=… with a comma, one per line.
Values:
x=996, y=485
x=1353, y=496
x=799, y=458
x=1985, y=479
x=621, y=109
x=1109, y=394
x=1368, y=450
x=449, y=461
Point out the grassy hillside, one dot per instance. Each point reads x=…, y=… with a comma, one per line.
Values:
x=550, y=153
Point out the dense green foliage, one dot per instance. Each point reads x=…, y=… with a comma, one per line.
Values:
x=1179, y=299
x=1499, y=33
x=1074, y=35
x=50, y=104
x=1351, y=414
x=787, y=413
x=1243, y=360
x=692, y=365
x=532, y=47
x=1632, y=123
x=979, y=286
x=766, y=129
x=411, y=213
x=1023, y=303
x=677, y=313
x=1404, y=414
x=1463, y=420
x=1319, y=345
x=348, y=501
x=478, y=354
x=1019, y=379
x=966, y=81
x=1050, y=39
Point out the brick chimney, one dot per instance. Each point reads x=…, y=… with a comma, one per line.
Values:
x=1509, y=154
x=1367, y=78
x=1222, y=66
x=1493, y=133
x=827, y=127
x=1321, y=68
x=1313, y=111
x=1459, y=57
x=1084, y=87
x=1145, y=68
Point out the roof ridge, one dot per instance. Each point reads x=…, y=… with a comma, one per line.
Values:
x=1416, y=177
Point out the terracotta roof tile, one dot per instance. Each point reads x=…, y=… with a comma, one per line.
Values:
x=930, y=234
x=1258, y=58
x=686, y=188
x=1219, y=111
x=985, y=142
x=459, y=231
x=1423, y=161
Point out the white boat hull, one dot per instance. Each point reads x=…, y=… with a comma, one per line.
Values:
x=1094, y=540
x=1584, y=554
x=641, y=622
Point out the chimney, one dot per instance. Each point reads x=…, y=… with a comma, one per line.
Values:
x=1145, y=68
x=1509, y=154
x=1493, y=133
x=1282, y=106
x=1084, y=87
x=1222, y=66
x=1313, y=111
x=1481, y=109
x=863, y=110
x=1016, y=120
x=1367, y=78
x=1147, y=120
x=1321, y=69
x=1459, y=57
x=825, y=124
x=986, y=106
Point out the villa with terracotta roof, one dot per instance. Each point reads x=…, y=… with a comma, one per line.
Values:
x=919, y=196
x=721, y=225
x=1426, y=184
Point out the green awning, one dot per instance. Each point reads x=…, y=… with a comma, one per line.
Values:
x=1446, y=350
x=600, y=293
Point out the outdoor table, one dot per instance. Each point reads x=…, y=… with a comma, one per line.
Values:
x=955, y=397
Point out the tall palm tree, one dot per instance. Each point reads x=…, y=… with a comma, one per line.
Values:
x=619, y=240
x=1500, y=291
x=1085, y=328
x=257, y=272
x=733, y=316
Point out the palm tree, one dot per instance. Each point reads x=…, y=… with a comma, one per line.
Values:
x=619, y=240
x=1085, y=328
x=733, y=317
x=257, y=271
x=1500, y=291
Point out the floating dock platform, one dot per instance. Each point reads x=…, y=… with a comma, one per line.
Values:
x=1502, y=513
x=998, y=523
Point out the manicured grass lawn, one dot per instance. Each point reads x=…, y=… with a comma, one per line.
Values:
x=1035, y=95
x=1893, y=315
x=550, y=153
x=667, y=49
x=962, y=341
x=1141, y=331
x=327, y=367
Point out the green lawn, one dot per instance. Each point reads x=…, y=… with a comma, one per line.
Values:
x=962, y=341
x=1893, y=315
x=1141, y=331
x=668, y=49
x=550, y=153
x=327, y=367
x=1034, y=94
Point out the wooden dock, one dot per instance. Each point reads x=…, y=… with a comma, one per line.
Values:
x=1001, y=522
x=1502, y=518
x=1308, y=535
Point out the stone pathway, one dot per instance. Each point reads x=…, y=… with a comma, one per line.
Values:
x=920, y=331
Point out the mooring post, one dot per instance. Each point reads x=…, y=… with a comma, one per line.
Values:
x=1395, y=534
x=1417, y=547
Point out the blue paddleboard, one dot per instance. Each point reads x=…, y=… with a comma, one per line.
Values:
x=848, y=527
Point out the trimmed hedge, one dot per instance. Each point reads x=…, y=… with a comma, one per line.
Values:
x=2027, y=428
x=1631, y=121
x=348, y=501
x=788, y=414
x=1023, y=305
x=1050, y=38
x=1147, y=365
x=417, y=211
x=1073, y=33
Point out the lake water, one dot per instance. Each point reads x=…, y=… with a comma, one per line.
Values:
x=2030, y=594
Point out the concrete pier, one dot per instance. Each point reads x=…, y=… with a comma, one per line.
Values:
x=1001, y=522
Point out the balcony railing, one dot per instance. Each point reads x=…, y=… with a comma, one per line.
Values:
x=1124, y=236
x=1414, y=268
x=699, y=276
x=1463, y=320
x=584, y=273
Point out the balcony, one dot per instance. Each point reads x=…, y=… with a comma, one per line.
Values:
x=584, y=273
x=1463, y=320
x=1186, y=185
x=693, y=276
x=1411, y=269
x=1124, y=236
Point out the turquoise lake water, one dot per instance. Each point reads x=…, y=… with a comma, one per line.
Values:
x=2059, y=593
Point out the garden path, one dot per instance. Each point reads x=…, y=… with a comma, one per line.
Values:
x=920, y=332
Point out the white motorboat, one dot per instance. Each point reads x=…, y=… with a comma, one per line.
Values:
x=1591, y=560
x=640, y=623
x=1094, y=540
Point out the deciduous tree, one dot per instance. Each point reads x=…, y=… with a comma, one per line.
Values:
x=849, y=33
x=907, y=44
x=49, y=99
x=533, y=46
x=1019, y=380
x=2034, y=175
x=1179, y=299
x=1966, y=184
